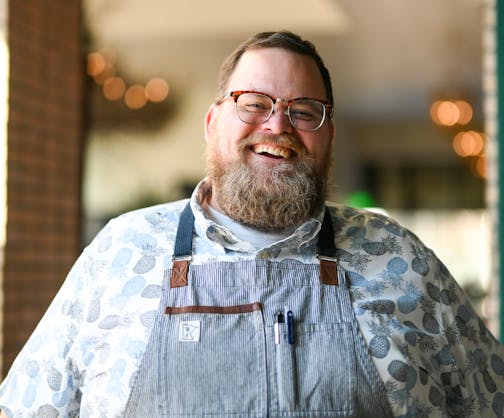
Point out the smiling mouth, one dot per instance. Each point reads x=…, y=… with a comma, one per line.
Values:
x=273, y=151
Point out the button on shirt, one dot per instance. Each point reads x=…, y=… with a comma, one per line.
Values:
x=433, y=353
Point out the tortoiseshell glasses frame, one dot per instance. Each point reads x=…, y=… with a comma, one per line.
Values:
x=304, y=113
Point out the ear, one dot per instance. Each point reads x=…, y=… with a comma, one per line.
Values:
x=210, y=119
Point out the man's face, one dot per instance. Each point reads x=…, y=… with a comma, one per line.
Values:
x=273, y=152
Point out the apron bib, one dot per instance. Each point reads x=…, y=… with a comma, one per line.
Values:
x=256, y=339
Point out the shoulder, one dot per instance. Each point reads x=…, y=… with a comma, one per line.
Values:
x=134, y=243
x=156, y=217
x=368, y=231
x=158, y=222
x=375, y=250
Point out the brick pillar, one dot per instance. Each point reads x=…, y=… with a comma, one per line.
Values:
x=44, y=134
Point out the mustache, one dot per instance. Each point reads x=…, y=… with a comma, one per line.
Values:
x=284, y=140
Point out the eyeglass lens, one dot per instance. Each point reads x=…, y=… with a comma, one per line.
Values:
x=304, y=114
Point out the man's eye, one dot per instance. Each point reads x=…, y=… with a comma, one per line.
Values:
x=255, y=107
x=303, y=115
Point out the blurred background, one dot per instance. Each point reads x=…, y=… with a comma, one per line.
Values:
x=102, y=105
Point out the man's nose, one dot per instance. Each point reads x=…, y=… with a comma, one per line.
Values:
x=279, y=121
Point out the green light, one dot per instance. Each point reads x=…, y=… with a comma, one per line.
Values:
x=360, y=199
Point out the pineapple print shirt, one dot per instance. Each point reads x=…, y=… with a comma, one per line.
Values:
x=434, y=354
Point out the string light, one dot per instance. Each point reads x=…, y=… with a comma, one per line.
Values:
x=480, y=167
x=135, y=97
x=468, y=143
x=114, y=88
x=101, y=67
x=466, y=112
x=95, y=64
x=451, y=112
x=156, y=90
x=445, y=112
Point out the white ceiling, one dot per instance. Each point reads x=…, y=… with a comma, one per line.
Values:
x=119, y=20
x=387, y=56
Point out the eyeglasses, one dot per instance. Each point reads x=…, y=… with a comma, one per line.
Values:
x=304, y=114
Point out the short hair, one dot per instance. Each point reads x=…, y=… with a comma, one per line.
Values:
x=281, y=39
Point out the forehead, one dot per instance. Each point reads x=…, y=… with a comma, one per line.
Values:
x=278, y=72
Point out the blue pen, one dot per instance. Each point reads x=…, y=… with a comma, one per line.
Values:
x=291, y=336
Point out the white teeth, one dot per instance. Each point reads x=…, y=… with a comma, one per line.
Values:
x=276, y=151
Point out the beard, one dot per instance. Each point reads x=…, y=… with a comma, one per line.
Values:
x=268, y=197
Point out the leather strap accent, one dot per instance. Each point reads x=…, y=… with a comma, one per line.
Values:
x=328, y=272
x=183, y=248
x=238, y=309
x=179, y=273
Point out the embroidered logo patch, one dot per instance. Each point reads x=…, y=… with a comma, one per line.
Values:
x=189, y=331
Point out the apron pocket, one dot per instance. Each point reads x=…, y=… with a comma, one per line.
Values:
x=213, y=361
x=317, y=374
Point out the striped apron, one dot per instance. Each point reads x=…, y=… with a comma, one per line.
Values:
x=256, y=339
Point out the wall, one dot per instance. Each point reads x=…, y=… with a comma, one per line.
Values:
x=45, y=128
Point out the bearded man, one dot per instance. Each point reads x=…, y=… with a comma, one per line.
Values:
x=254, y=298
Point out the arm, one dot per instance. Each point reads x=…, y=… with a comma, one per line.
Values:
x=476, y=383
x=45, y=368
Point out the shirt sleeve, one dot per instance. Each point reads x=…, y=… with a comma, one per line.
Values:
x=43, y=380
x=472, y=360
x=433, y=352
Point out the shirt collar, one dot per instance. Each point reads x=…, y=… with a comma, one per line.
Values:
x=304, y=235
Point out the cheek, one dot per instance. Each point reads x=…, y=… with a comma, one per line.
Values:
x=231, y=135
x=320, y=149
x=224, y=144
x=318, y=146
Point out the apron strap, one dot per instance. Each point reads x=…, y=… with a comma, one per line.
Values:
x=326, y=252
x=182, y=252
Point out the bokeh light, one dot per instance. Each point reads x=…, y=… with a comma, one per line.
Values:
x=101, y=66
x=468, y=143
x=466, y=112
x=451, y=112
x=157, y=90
x=445, y=112
x=135, y=97
x=479, y=167
x=95, y=64
x=114, y=88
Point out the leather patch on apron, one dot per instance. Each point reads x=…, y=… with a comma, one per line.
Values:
x=179, y=273
x=328, y=272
